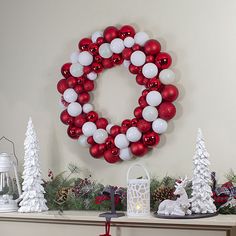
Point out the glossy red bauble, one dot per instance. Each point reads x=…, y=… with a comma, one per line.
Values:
x=83, y=98
x=93, y=48
x=127, y=53
x=163, y=60
x=151, y=139
x=84, y=44
x=115, y=130
x=110, y=33
x=117, y=59
x=134, y=69
x=107, y=63
x=109, y=142
x=138, y=149
x=71, y=82
x=142, y=102
x=126, y=31
x=144, y=126
x=62, y=86
x=152, y=47
x=79, y=121
x=166, y=111
x=154, y=84
x=169, y=93
x=92, y=116
x=79, y=88
x=126, y=123
x=97, y=150
x=74, y=132
x=90, y=140
x=101, y=123
x=88, y=85
x=65, y=70
x=112, y=155
x=97, y=67
x=138, y=112
x=66, y=118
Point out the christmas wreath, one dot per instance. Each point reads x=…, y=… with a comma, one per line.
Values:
x=144, y=59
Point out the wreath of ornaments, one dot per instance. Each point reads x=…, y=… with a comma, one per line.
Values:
x=144, y=59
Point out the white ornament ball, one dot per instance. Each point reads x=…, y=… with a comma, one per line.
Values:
x=70, y=95
x=105, y=51
x=125, y=154
x=74, y=109
x=108, y=128
x=96, y=35
x=85, y=58
x=167, y=76
x=87, y=107
x=121, y=141
x=117, y=45
x=159, y=126
x=138, y=58
x=129, y=42
x=76, y=69
x=126, y=63
x=154, y=98
x=89, y=128
x=141, y=38
x=92, y=76
x=100, y=136
x=83, y=141
x=74, y=57
x=150, y=113
x=150, y=70
x=133, y=134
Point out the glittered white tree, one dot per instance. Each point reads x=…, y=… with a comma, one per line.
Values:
x=33, y=192
x=201, y=201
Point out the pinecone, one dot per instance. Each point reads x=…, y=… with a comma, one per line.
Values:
x=62, y=194
x=163, y=193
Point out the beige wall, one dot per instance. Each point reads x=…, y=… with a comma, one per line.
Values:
x=37, y=37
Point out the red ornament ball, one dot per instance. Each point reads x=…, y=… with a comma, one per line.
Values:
x=84, y=98
x=142, y=102
x=117, y=59
x=112, y=155
x=115, y=129
x=107, y=63
x=79, y=88
x=134, y=69
x=154, y=84
x=126, y=123
x=144, y=126
x=163, y=60
x=101, y=123
x=126, y=53
x=88, y=85
x=84, y=44
x=93, y=48
x=166, y=110
x=138, y=112
x=62, y=86
x=66, y=118
x=90, y=140
x=109, y=142
x=170, y=93
x=71, y=82
x=140, y=79
x=152, y=47
x=110, y=33
x=74, y=132
x=151, y=139
x=123, y=129
x=97, y=150
x=65, y=70
x=92, y=116
x=79, y=121
x=126, y=31
x=97, y=67
x=138, y=149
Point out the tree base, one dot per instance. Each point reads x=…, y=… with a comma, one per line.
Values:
x=193, y=216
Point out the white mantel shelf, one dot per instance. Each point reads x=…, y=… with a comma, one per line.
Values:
x=224, y=223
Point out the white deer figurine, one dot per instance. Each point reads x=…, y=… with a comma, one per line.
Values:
x=180, y=206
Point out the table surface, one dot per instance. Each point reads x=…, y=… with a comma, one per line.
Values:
x=92, y=216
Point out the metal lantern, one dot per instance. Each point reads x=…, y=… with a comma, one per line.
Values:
x=138, y=194
x=8, y=181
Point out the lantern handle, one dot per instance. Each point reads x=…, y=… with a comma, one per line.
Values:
x=13, y=147
x=138, y=165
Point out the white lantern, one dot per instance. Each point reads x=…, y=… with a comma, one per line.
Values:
x=8, y=190
x=138, y=194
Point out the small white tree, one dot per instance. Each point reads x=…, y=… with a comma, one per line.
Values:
x=201, y=201
x=33, y=192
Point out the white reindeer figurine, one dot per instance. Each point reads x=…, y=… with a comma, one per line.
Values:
x=180, y=206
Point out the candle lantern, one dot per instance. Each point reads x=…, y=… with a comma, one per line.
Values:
x=9, y=182
x=138, y=194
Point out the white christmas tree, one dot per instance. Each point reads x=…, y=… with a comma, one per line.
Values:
x=201, y=201
x=33, y=192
